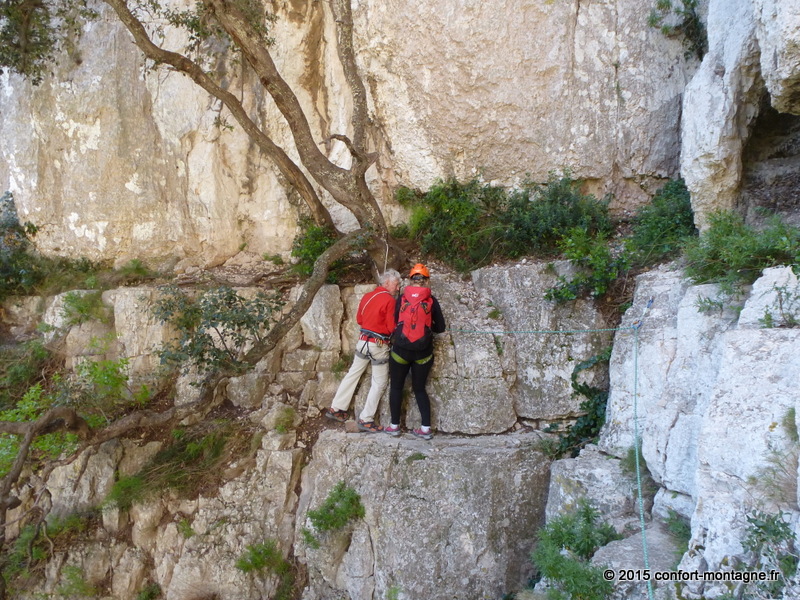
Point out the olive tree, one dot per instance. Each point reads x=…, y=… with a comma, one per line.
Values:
x=34, y=33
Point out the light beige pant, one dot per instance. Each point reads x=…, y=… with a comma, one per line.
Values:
x=380, y=378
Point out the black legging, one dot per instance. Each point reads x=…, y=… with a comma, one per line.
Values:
x=419, y=375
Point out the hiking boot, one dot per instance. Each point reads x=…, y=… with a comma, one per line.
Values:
x=392, y=430
x=369, y=426
x=337, y=415
x=425, y=435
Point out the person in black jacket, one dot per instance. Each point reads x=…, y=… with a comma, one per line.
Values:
x=418, y=317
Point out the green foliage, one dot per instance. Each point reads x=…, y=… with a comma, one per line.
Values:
x=275, y=259
x=21, y=366
x=151, y=591
x=564, y=548
x=587, y=426
x=543, y=213
x=415, y=457
x=733, y=254
x=707, y=305
x=679, y=528
x=216, y=328
x=342, y=505
x=35, y=542
x=597, y=269
x=18, y=269
x=99, y=390
x=201, y=26
x=26, y=272
x=134, y=271
x=661, y=227
x=309, y=538
x=659, y=230
x=74, y=583
x=773, y=544
x=469, y=225
x=33, y=33
x=80, y=307
x=342, y=365
x=185, y=528
x=309, y=245
x=267, y=557
x=789, y=423
x=284, y=421
x=48, y=446
x=787, y=309
x=182, y=466
x=690, y=27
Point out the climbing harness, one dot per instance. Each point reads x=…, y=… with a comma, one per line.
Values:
x=364, y=352
x=402, y=361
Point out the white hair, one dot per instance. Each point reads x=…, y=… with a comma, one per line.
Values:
x=389, y=275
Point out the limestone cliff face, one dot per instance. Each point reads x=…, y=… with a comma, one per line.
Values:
x=753, y=62
x=712, y=396
x=115, y=161
x=460, y=511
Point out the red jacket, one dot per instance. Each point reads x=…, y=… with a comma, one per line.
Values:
x=376, y=311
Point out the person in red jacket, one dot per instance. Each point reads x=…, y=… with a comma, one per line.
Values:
x=376, y=316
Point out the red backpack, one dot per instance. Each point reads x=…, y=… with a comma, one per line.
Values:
x=414, y=319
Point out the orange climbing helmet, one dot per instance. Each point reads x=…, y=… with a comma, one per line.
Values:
x=419, y=269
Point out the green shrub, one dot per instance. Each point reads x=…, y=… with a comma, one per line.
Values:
x=773, y=544
x=661, y=227
x=267, y=557
x=734, y=254
x=151, y=591
x=564, y=548
x=48, y=446
x=185, y=528
x=587, y=426
x=342, y=505
x=181, y=466
x=690, y=27
x=25, y=272
x=597, y=269
x=680, y=529
x=74, y=583
x=37, y=542
x=134, y=271
x=284, y=421
x=214, y=329
x=80, y=307
x=309, y=245
x=469, y=225
x=18, y=269
x=21, y=366
x=542, y=214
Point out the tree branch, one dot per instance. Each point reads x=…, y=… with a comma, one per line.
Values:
x=183, y=65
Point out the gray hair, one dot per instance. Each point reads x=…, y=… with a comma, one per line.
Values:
x=389, y=275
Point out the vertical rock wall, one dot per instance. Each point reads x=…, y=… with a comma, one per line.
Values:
x=752, y=57
x=115, y=161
